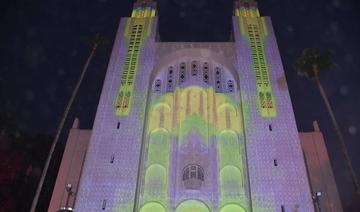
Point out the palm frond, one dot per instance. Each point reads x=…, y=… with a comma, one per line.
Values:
x=311, y=58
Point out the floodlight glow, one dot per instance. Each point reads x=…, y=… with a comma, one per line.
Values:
x=195, y=117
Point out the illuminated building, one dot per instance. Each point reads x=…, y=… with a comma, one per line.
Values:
x=194, y=126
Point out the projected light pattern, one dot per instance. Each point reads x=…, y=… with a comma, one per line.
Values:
x=186, y=127
x=254, y=29
x=137, y=30
x=193, y=106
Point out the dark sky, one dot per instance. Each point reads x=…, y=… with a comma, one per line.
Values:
x=42, y=54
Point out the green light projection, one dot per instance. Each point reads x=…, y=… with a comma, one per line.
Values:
x=253, y=27
x=232, y=208
x=200, y=111
x=152, y=207
x=195, y=105
x=192, y=206
x=158, y=159
x=136, y=31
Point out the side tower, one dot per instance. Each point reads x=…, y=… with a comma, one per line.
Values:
x=278, y=178
x=109, y=177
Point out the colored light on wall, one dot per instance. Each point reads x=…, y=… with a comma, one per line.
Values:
x=255, y=30
x=152, y=207
x=193, y=106
x=156, y=174
x=192, y=206
x=180, y=115
x=195, y=136
x=137, y=30
x=232, y=208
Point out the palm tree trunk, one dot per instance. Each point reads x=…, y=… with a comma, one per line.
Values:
x=60, y=127
x=340, y=137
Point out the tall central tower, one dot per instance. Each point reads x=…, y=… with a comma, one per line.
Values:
x=194, y=126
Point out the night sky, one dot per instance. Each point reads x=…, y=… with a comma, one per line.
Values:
x=43, y=51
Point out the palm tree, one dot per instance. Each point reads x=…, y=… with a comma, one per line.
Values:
x=310, y=64
x=96, y=42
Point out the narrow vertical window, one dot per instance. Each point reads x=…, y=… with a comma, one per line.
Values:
x=182, y=75
x=230, y=85
x=170, y=80
x=157, y=85
x=194, y=68
x=104, y=205
x=206, y=72
x=218, y=80
x=112, y=158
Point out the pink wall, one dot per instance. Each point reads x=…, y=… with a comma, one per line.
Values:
x=70, y=168
x=319, y=170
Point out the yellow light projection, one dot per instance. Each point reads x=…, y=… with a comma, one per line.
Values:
x=195, y=106
x=210, y=115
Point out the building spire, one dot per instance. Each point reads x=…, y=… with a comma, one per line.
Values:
x=246, y=8
x=144, y=9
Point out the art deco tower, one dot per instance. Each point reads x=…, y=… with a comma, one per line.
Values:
x=194, y=126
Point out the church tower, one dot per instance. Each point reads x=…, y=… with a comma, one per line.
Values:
x=194, y=126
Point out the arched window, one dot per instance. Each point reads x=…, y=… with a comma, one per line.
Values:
x=193, y=176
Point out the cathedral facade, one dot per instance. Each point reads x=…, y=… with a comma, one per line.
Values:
x=194, y=126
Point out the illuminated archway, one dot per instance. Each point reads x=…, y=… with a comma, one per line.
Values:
x=152, y=207
x=192, y=205
x=230, y=179
x=156, y=180
x=232, y=208
x=188, y=105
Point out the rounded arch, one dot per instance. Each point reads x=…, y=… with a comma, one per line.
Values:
x=192, y=205
x=229, y=149
x=159, y=130
x=151, y=207
x=229, y=133
x=231, y=179
x=162, y=105
x=230, y=172
x=231, y=109
x=194, y=54
x=159, y=147
x=155, y=172
x=196, y=88
x=156, y=179
x=231, y=207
